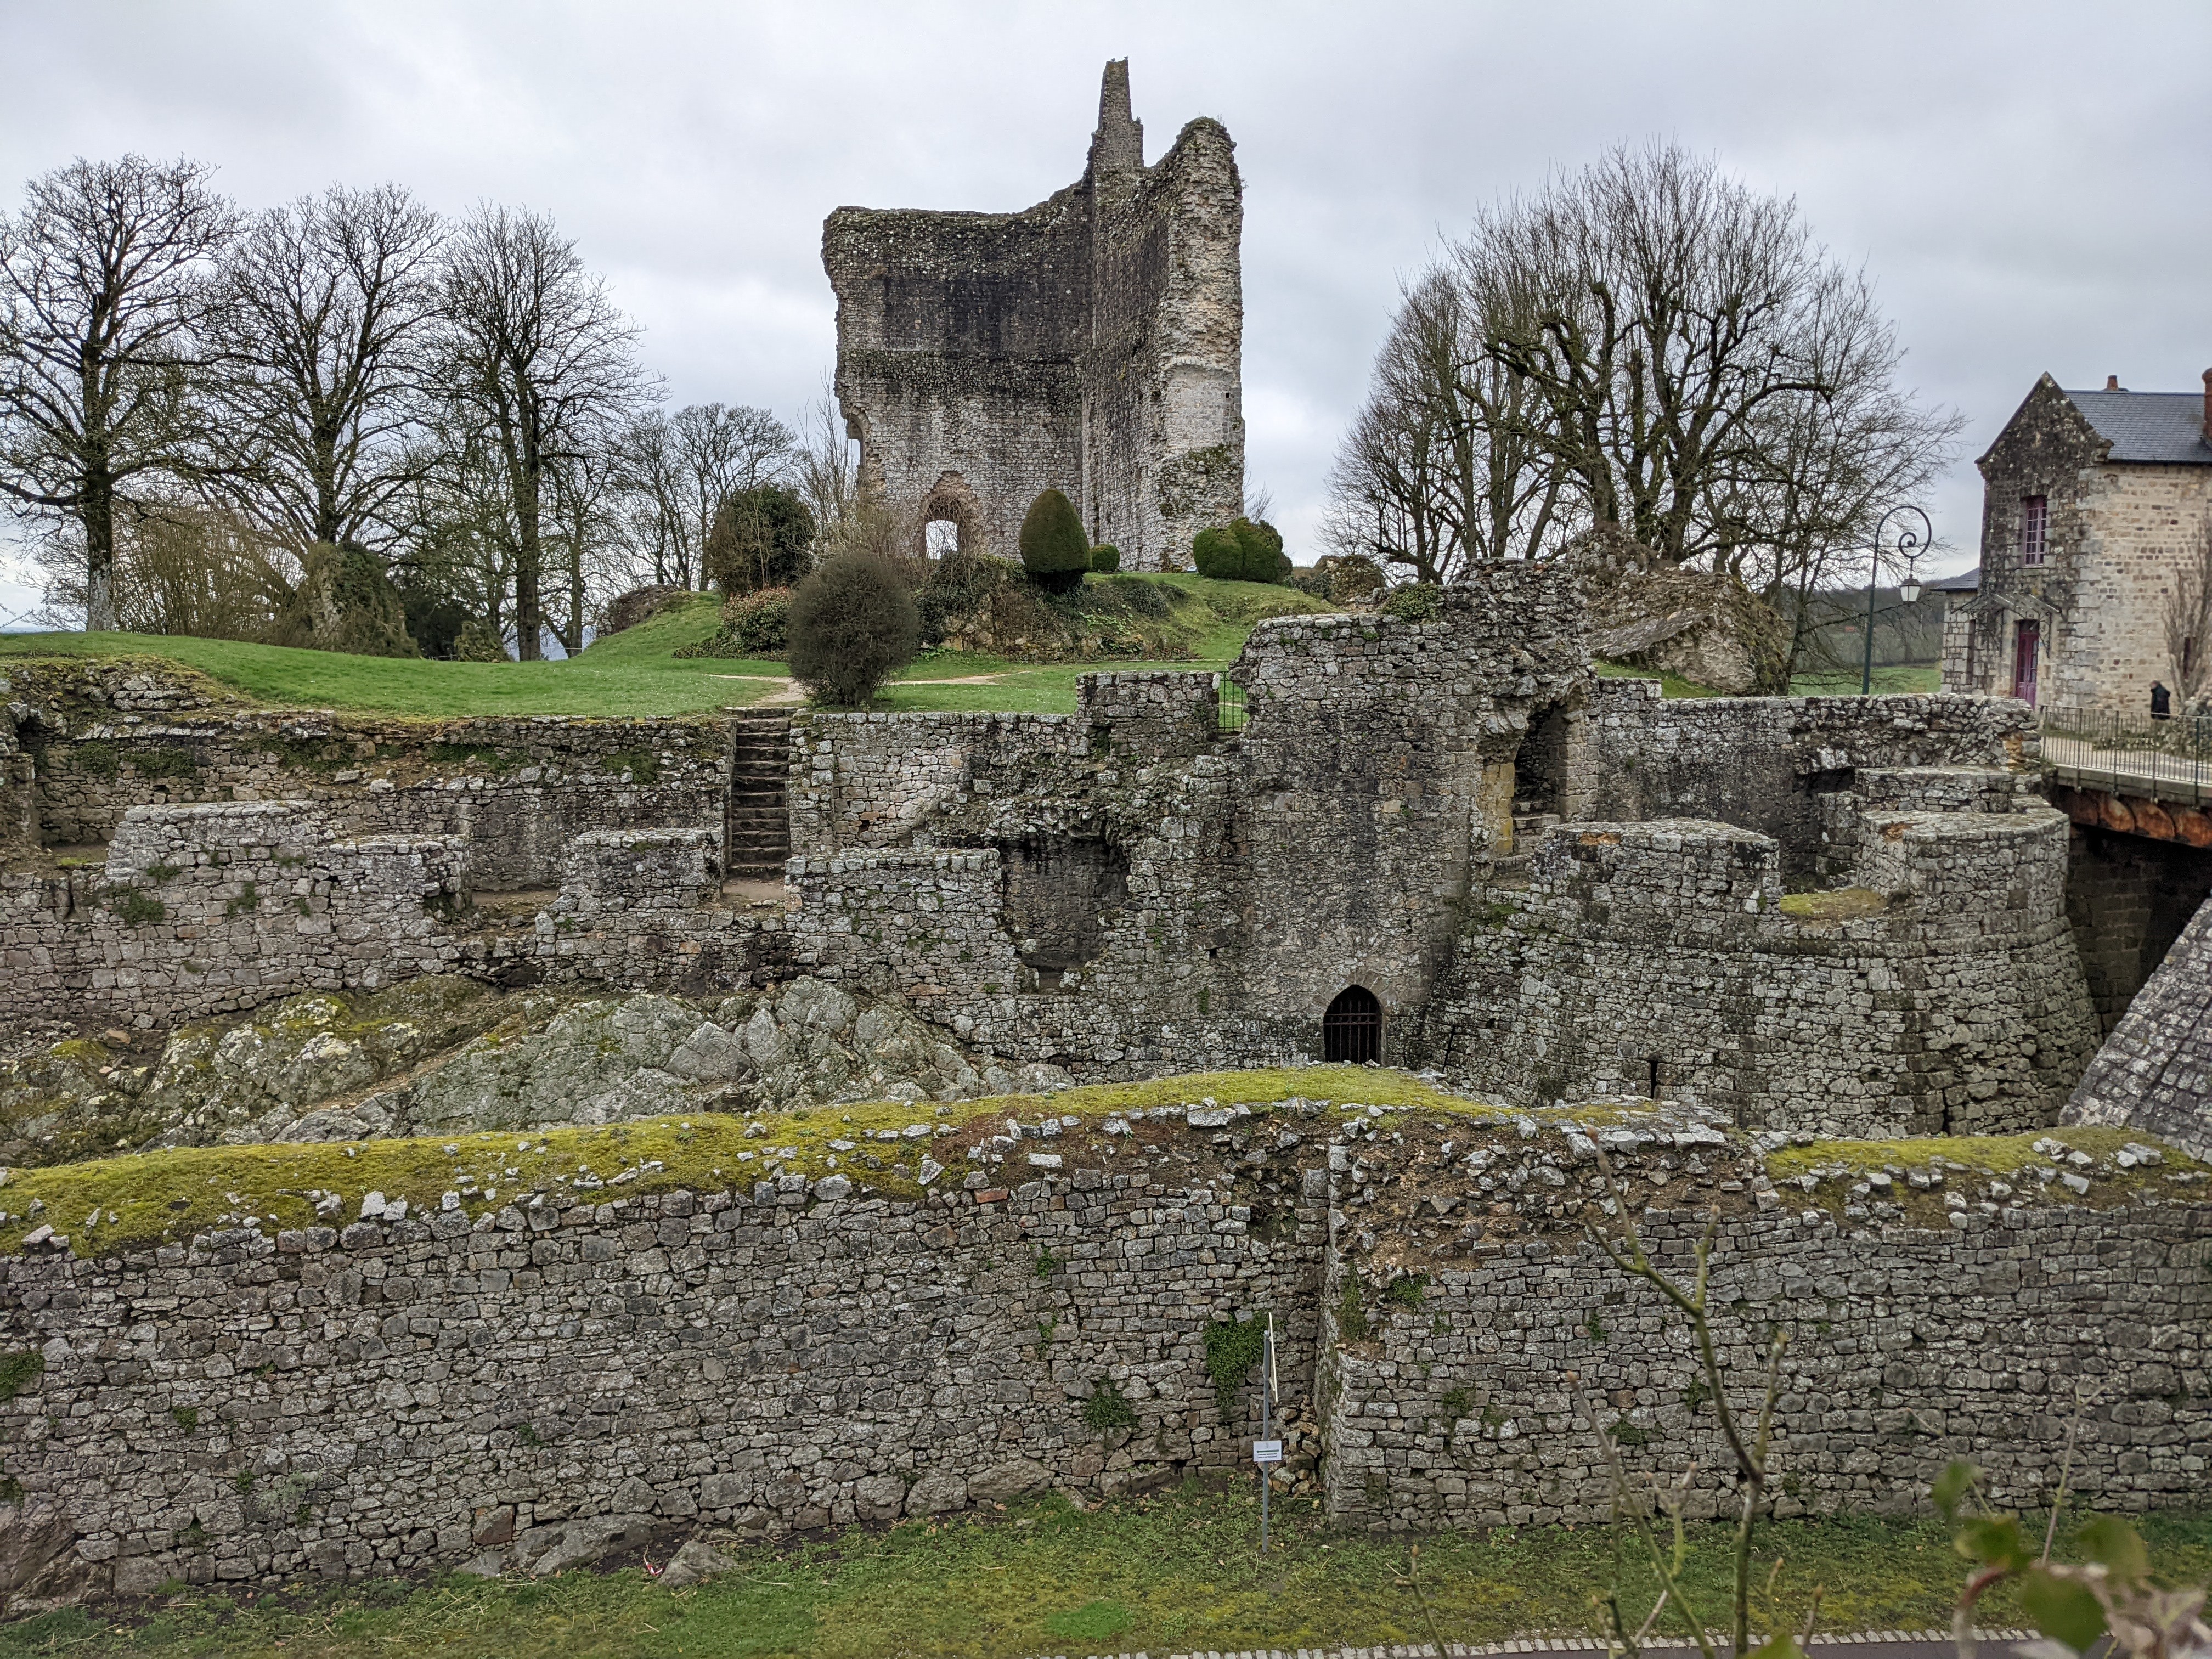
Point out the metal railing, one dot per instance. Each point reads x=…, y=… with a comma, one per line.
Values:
x=2130, y=754
x=1236, y=708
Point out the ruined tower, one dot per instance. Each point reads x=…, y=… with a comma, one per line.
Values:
x=1090, y=343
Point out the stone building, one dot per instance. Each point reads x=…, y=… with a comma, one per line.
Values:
x=2093, y=501
x=1090, y=343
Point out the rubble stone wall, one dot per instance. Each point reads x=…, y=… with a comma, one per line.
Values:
x=1908, y=1348
x=399, y=1394
x=515, y=791
x=1942, y=995
x=2154, y=1073
x=209, y=909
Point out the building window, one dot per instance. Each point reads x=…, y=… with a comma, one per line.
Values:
x=2035, y=527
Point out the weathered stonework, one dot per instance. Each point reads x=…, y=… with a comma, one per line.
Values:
x=2124, y=513
x=1091, y=344
x=408, y=1391
x=2155, y=1071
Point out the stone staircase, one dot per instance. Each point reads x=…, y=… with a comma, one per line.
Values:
x=1530, y=819
x=757, y=820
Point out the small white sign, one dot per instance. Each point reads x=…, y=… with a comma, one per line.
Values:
x=1266, y=1451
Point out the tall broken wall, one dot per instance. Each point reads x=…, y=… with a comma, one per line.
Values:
x=1092, y=344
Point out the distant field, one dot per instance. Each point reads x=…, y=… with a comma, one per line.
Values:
x=636, y=672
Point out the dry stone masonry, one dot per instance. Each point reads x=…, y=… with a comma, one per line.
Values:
x=1054, y=1300
x=1807, y=926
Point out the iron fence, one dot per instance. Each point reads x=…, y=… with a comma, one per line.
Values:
x=1236, y=708
x=2130, y=754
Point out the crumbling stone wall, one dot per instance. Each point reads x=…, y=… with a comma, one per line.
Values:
x=2129, y=898
x=208, y=909
x=514, y=791
x=404, y=1392
x=1940, y=995
x=1091, y=344
x=2154, y=1073
x=1773, y=764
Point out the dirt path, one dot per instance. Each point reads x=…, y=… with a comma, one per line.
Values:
x=787, y=689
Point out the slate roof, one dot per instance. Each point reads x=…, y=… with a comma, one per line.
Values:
x=2149, y=426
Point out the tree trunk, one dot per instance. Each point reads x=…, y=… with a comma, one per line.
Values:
x=99, y=515
x=529, y=553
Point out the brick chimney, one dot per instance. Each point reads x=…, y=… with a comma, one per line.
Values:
x=2112, y=383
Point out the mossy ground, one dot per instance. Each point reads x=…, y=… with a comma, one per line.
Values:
x=145, y=1197
x=105, y=1206
x=1977, y=1166
x=1835, y=904
x=1173, y=1573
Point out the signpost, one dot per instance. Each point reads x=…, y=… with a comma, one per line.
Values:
x=1267, y=1451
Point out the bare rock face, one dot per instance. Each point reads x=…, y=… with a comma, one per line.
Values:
x=449, y=1055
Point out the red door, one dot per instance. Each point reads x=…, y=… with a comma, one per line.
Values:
x=2028, y=638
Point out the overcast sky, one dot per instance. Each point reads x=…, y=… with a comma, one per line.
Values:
x=2031, y=185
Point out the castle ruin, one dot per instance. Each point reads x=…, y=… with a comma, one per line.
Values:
x=1091, y=344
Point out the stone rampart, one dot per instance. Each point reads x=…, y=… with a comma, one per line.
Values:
x=2154, y=1073
x=1767, y=764
x=209, y=909
x=1908, y=1348
x=1941, y=995
x=405, y=1391
x=515, y=791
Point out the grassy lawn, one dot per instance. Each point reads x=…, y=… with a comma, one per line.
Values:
x=635, y=672
x=1167, y=1574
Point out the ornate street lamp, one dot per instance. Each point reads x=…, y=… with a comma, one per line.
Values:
x=1907, y=546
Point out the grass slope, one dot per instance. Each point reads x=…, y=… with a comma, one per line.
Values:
x=635, y=672
x=1175, y=1573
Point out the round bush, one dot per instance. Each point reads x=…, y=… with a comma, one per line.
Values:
x=1055, y=550
x=853, y=622
x=1105, y=559
x=1245, y=550
x=762, y=538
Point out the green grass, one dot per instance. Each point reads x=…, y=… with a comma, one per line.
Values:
x=1175, y=1573
x=636, y=673
x=1670, y=685
x=1844, y=683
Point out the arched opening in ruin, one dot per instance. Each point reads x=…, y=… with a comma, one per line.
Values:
x=1351, y=1029
x=950, y=520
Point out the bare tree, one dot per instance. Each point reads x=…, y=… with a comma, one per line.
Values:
x=323, y=316
x=1646, y=344
x=537, y=353
x=2188, y=618
x=826, y=466
x=676, y=471
x=102, y=289
x=1438, y=469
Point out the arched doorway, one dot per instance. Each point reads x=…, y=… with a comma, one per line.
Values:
x=949, y=521
x=1351, y=1029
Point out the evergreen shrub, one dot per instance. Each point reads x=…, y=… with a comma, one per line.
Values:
x=1055, y=550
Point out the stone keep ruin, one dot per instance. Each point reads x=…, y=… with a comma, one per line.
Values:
x=1091, y=344
x=1741, y=945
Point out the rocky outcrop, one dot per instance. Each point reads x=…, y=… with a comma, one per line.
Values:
x=1703, y=625
x=447, y=1055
